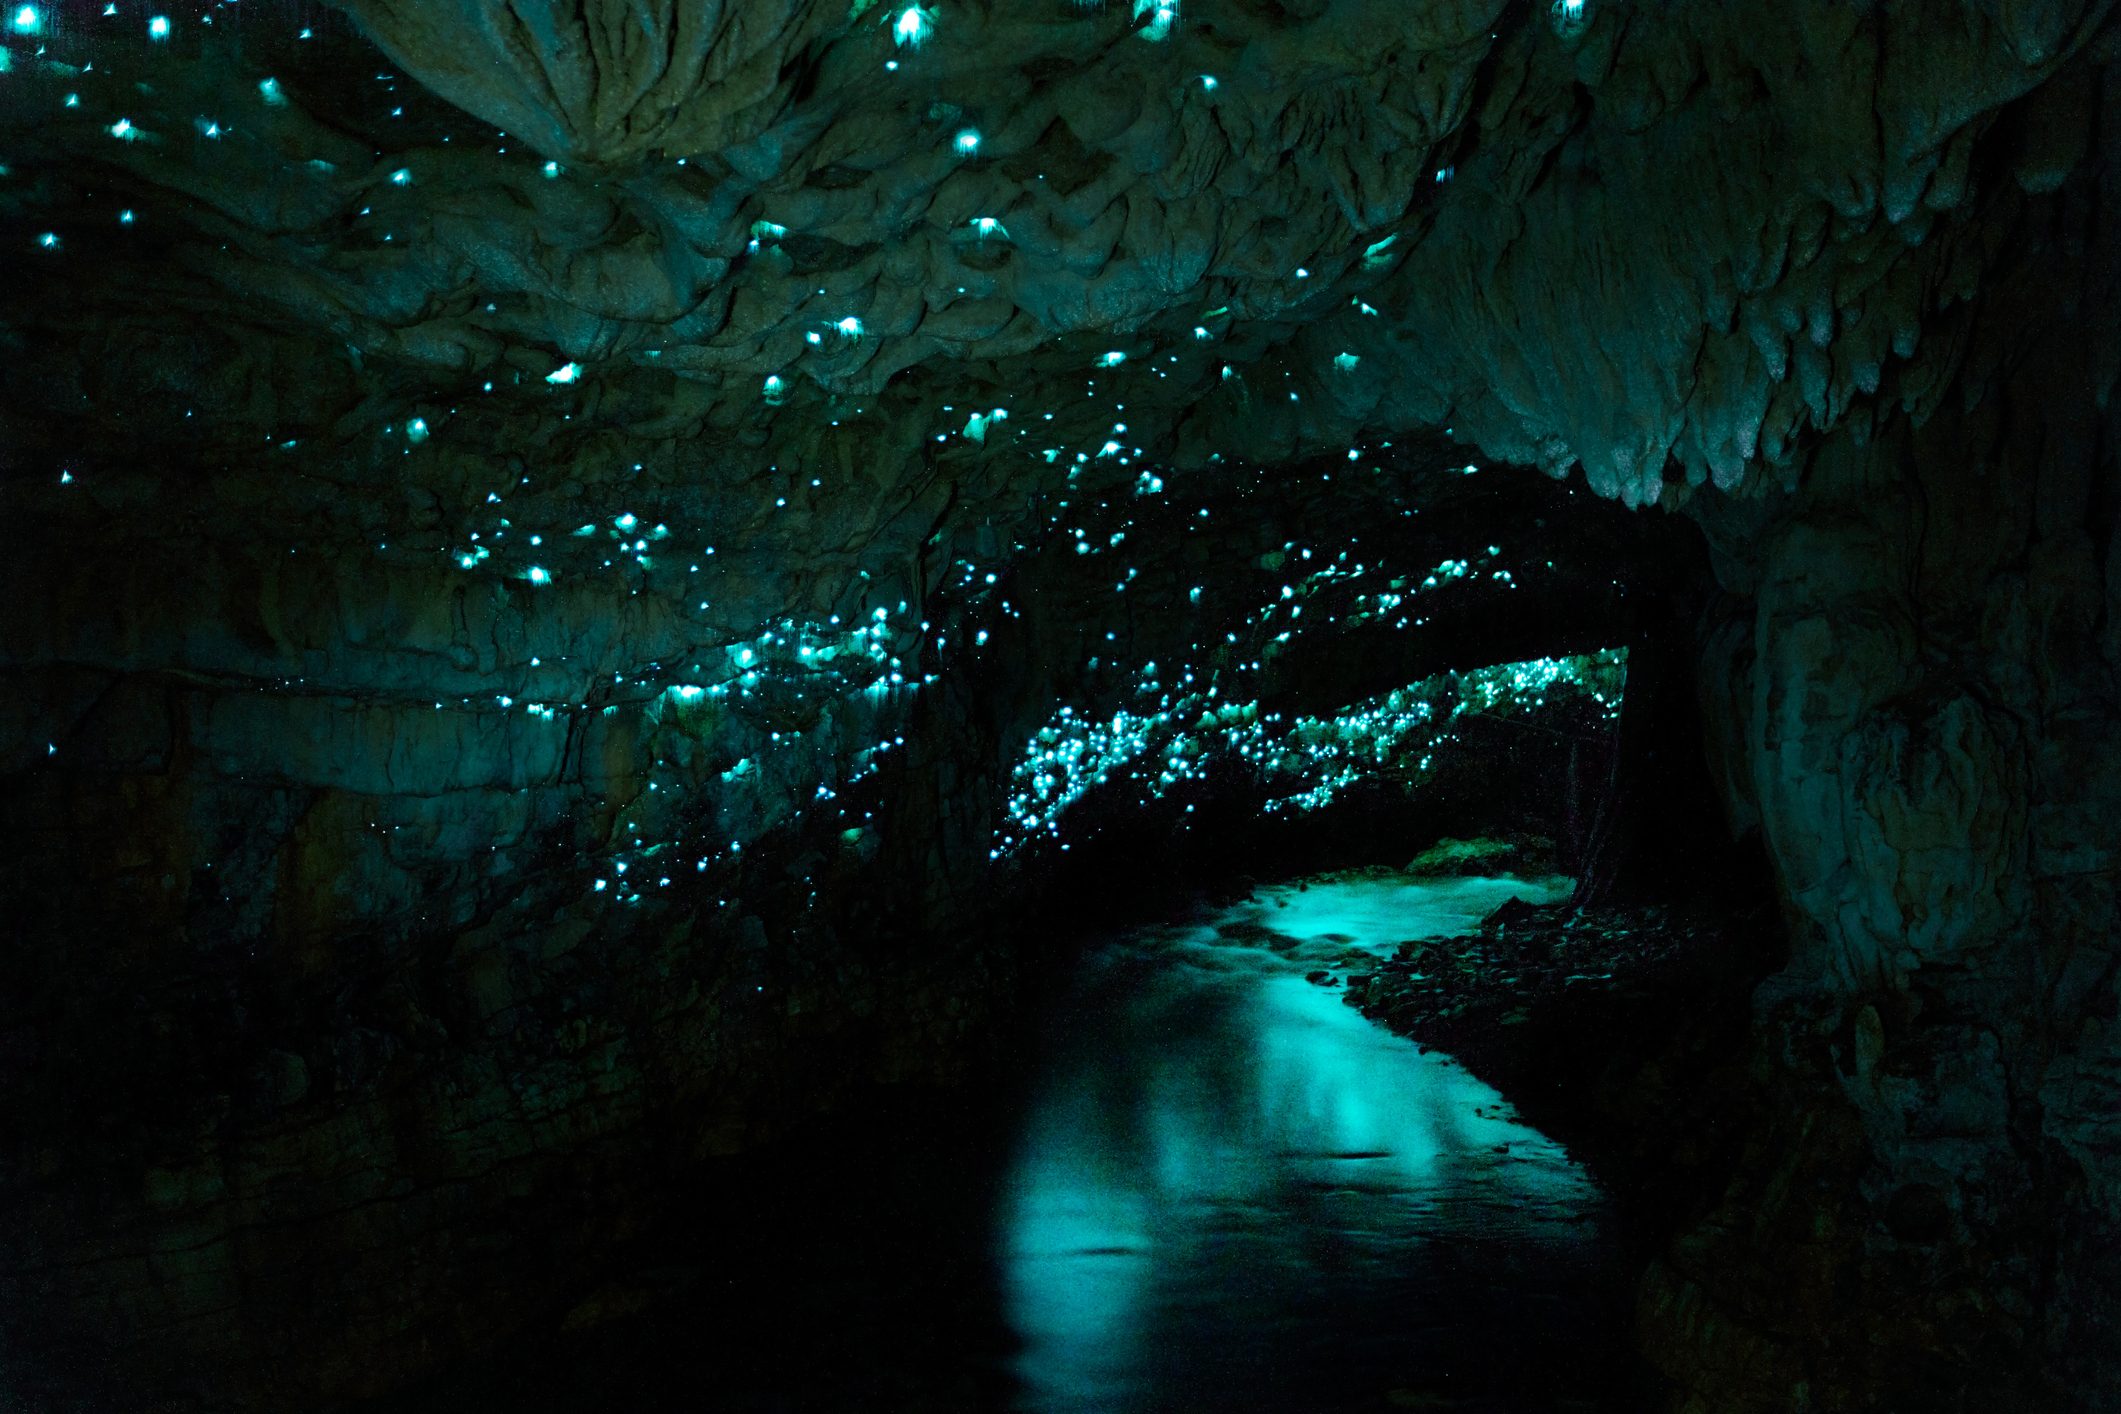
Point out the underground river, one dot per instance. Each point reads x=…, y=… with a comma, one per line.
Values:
x=1215, y=1187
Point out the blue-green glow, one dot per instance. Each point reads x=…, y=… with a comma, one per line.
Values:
x=1184, y=725
x=912, y=27
x=1219, y=1131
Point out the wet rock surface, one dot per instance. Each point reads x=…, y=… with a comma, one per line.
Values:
x=1533, y=965
x=422, y=423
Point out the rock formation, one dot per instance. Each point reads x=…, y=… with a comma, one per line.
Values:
x=544, y=529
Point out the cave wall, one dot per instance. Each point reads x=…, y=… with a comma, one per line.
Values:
x=318, y=335
x=1914, y=688
x=390, y=940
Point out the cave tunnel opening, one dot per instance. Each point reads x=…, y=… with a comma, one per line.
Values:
x=802, y=704
x=1183, y=1123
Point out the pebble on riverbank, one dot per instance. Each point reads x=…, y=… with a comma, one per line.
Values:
x=1461, y=993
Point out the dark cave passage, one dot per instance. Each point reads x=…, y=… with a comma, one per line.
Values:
x=640, y=641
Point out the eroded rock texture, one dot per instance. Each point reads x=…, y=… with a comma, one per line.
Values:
x=456, y=449
x=1919, y=713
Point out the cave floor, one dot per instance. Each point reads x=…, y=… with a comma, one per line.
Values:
x=1214, y=1186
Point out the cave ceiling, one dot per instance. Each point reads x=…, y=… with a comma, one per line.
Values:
x=1664, y=243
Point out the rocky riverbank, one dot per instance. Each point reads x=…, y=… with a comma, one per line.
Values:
x=1616, y=1029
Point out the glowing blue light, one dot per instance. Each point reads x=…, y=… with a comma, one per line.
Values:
x=966, y=142
x=269, y=90
x=627, y=521
x=776, y=389
x=987, y=226
x=850, y=327
x=1208, y=82
x=1111, y=360
x=158, y=27
x=124, y=131
x=565, y=373
x=912, y=27
x=538, y=575
x=27, y=20
x=49, y=240
x=402, y=177
x=416, y=430
x=1346, y=362
x=552, y=169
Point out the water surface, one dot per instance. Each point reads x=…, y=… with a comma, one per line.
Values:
x=1215, y=1187
x=1233, y=1191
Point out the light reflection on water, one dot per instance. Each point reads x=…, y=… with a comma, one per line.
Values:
x=1232, y=1191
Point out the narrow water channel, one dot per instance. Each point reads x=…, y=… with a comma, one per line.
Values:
x=1215, y=1187
x=1232, y=1191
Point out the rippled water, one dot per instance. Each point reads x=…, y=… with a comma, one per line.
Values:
x=1233, y=1191
x=1214, y=1187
